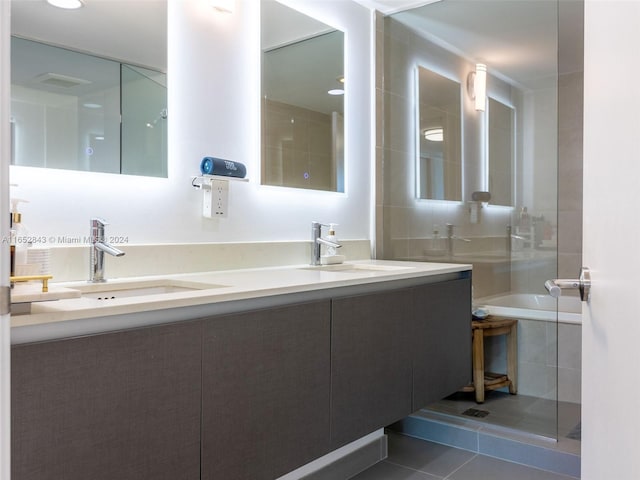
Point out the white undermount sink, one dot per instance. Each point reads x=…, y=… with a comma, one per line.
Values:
x=115, y=290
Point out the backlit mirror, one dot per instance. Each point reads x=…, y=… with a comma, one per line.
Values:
x=501, y=152
x=88, y=88
x=439, y=175
x=303, y=88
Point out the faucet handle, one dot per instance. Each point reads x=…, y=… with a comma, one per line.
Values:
x=98, y=222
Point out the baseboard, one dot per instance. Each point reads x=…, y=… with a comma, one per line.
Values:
x=352, y=464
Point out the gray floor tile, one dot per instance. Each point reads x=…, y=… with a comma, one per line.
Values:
x=427, y=457
x=521, y=412
x=388, y=471
x=487, y=468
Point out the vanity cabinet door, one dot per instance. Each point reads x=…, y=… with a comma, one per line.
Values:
x=266, y=382
x=370, y=363
x=441, y=340
x=122, y=405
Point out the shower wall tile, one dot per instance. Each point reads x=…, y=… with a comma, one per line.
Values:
x=569, y=385
x=570, y=346
x=532, y=341
x=570, y=233
x=536, y=380
x=569, y=266
x=398, y=124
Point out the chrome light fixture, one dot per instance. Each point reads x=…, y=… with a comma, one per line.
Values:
x=477, y=86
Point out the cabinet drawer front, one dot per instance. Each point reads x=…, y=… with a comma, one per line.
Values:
x=123, y=405
x=370, y=363
x=265, y=391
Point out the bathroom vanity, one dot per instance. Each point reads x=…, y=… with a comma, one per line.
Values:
x=264, y=372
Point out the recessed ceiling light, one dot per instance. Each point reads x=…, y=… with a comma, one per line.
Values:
x=91, y=105
x=434, y=134
x=336, y=91
x=68, y=4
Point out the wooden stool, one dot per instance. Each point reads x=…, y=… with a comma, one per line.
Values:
x=482, y=380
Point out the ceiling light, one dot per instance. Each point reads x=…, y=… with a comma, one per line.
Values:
x=336, y=91
x=477, y=86
x=434, y=134
x=68, y=4
x=91, y=105
x=340, y=79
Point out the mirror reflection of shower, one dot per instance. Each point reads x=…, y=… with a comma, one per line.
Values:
x=163, y=116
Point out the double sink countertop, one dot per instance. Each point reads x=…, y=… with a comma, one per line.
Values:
x=121, y=297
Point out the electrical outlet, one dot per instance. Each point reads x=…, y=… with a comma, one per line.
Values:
x=220, y=198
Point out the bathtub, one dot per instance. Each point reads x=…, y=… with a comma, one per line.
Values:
x=534, y=307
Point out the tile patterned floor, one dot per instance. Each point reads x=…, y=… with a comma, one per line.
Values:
x=413, y=459
x=520, y=412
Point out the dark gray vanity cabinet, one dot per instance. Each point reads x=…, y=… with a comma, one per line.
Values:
x=371, y=378
x=441, y=340
x=266, y=384
x=249, y=395
x=123, y=405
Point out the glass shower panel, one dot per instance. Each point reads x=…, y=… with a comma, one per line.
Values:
x=144, y=122
x=511, y=239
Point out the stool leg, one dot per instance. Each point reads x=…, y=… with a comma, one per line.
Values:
x=512, y=359
x=478, y=364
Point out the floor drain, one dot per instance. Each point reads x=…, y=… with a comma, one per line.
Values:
x=474, y=412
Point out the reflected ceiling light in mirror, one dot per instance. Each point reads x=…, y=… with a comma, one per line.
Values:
x=226, y=6
x=339, y=90
x=68, y=4
x=434, y=134
x=477, y=86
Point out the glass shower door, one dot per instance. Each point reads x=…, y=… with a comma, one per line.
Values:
x=505, y=220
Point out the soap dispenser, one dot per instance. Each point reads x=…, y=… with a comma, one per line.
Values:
x=438, y=244
x=332, y=238
x=21, y=237
x=331, y=256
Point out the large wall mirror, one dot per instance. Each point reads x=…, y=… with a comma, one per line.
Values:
x=302, y=109
x=439, y=172
x=501, y=120
x=87, y=92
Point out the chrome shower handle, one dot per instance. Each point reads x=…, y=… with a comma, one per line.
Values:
x=583, y=283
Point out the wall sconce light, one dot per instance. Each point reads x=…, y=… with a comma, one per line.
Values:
x=477, y=86
x=434, y=134
x=226, y=6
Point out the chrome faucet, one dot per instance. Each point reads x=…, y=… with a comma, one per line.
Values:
x=451, y=237
x=317, y=241
x=98, y=248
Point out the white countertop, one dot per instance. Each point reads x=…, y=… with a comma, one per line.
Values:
x=219, y=287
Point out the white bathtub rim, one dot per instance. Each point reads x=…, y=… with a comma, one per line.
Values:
x=528, y=313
